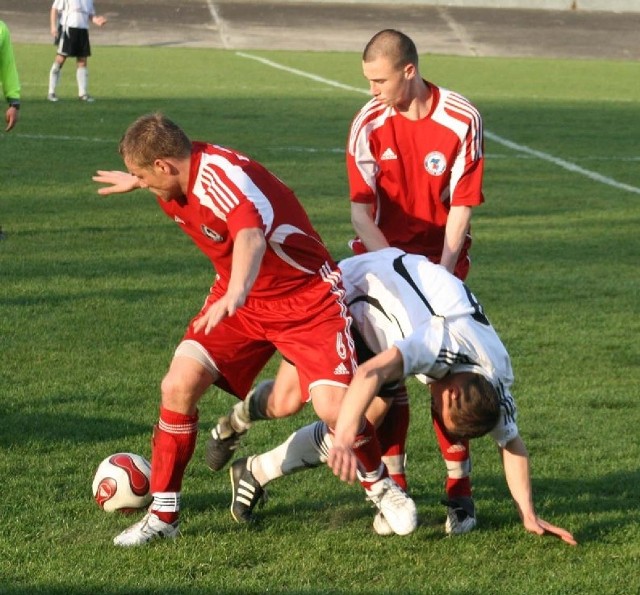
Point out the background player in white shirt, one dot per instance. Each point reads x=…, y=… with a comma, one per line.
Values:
x=69, y=20
x=420, y=321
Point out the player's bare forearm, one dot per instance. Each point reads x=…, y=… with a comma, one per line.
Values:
x=515, y=460
x=249, y=247
x=456, y=231
x=517, y=471
x=53, y=21
x=366, y=383
x=366, y=228
x=248, y=250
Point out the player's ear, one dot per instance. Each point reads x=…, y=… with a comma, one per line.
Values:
x=164, y=166
x=409, y=71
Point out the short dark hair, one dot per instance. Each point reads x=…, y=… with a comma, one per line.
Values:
x=477, y=411
x=152, y=137
x=391, y=44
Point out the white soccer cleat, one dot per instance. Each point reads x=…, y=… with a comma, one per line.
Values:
x=146, y=530
x=461, y=516
x=381, y=526
x=398, y=509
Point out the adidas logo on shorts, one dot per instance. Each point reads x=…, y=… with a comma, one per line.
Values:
x=341, y=370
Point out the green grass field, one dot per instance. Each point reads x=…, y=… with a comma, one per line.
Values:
x=97, y=291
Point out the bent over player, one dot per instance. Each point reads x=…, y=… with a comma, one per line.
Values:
x=418, y=320
x=276, y=288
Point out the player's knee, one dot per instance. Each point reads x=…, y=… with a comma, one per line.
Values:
x=327, y=399
x=181, y=392
x=284, y=403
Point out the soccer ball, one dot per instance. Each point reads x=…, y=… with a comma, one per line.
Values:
x=121, y=483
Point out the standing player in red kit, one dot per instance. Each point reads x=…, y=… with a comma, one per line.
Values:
x=276, y=288
x=415, y=167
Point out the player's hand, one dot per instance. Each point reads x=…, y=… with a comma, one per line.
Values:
x=539, y=527
x=218, y=311
x=99, y=20
x=11, y=116
x=343, y=462
x=119, y=181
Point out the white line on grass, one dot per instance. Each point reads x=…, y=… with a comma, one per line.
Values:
x=69, y=138
x=494, y=137
x=308, y=75
x=561, y=163
x=219, y=23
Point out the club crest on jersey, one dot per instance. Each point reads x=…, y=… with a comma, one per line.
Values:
x=213, y=235
x=435, y=163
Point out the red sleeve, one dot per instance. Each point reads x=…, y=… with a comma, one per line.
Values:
x=244, y=216
x=468, y=190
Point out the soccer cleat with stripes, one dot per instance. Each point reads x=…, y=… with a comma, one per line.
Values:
x=461, y=515
x=149, y=528
x=246, y=491
x=392, y=501
x=222, y=445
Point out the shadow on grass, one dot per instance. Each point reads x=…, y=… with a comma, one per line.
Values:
x=609, y=499
x=49, y=429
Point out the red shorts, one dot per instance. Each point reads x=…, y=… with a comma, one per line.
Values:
x=310, y=327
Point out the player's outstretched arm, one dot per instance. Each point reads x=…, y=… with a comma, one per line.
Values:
x=366, y=383
x=515, y=459
x=118, y=182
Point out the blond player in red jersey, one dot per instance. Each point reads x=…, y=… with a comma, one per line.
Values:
x=415, y=167
x=276, y=288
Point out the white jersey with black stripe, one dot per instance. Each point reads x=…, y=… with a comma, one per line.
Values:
x=75, y=13
x=434, y=320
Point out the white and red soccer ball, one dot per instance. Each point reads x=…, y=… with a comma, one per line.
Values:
x=121, y=483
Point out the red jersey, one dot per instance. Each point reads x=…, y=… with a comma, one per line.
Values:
x=412, y=171
x=229, y=192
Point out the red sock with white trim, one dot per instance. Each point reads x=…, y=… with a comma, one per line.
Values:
x=367, y=451
x=457, y=458
x=392, y=436
x=173, y=443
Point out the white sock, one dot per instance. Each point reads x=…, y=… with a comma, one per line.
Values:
x=54, y=77
x=253, y=408
x=307, y=447
x=82, y=76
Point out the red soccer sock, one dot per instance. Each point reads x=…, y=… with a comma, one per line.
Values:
x=457, y=458
x=367, y=451
x=392, y=436
x=174, y=440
